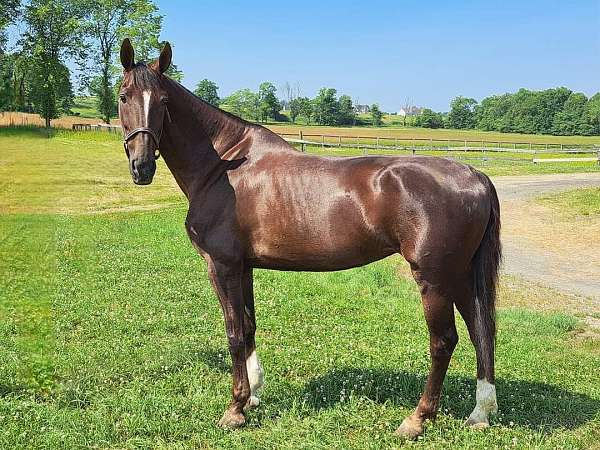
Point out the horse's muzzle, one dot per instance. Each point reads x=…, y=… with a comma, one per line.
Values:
x=143, y=171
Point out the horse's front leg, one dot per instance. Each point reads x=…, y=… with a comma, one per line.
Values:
x=253, y=366
x=227, y=281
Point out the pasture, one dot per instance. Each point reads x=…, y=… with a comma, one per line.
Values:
x=111, y=337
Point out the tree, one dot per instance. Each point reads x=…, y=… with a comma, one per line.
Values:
x=208, y=91
x=243, y=103
x=429, y=119
x=462, y=113
x=592, y=113
x=346, y=113
x=300, y=106
x=102, y=25
x=572, y=119
x=325, y=107
x=50, y=92
x=143, y=28
x=376, y=115
x=492, y=113
x=52, y=33
x=9, y=12
x=269, y=105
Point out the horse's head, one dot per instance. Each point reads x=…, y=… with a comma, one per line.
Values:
x=142, y=110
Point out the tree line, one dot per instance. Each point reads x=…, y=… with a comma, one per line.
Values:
x=558, y=111
x=326, y=108
x=84, y=34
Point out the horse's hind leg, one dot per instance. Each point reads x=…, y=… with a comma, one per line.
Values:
x=253, y=366
x=486, y=389
x=439, y=314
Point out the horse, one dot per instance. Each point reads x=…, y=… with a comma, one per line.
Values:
x=256, y=202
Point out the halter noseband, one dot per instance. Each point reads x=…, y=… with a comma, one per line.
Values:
x=150, y=131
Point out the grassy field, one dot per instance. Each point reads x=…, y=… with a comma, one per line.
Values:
x=111, y=336
x=575, y=203
x=86, y=107
x=88, y=114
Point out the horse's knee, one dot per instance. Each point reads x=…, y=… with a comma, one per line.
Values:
x=442, y=346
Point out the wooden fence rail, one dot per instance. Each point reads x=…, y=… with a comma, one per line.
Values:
x=419, y=145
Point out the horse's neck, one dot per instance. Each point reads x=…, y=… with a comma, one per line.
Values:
x=199, y=138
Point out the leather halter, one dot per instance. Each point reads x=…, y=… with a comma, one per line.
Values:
x=155, y=137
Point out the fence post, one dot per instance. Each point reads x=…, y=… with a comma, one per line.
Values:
x=340, y=141
x=322, y=140
x=431, y=144
x=302, y=148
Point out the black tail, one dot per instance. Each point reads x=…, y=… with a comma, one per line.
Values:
x=486, y=264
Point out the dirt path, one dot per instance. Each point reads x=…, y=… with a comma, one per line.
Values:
x=541, y=246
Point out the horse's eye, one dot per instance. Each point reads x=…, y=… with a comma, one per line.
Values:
x=164, y=99
x=123, y=97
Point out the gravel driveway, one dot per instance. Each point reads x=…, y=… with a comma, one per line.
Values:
x=570, y=267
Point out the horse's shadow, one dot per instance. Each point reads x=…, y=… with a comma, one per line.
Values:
x=539, y=406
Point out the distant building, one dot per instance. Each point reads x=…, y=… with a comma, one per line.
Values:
x=410, y=111
x=362, y=109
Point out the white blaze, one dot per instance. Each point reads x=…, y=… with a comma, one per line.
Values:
x=146, y=95
x=255, y=377
x=486, y=403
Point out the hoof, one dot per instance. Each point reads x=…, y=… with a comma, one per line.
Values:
x=252, y=402
x=478, y=425
x=478, y=420
x=232, y=420
x=411, y=428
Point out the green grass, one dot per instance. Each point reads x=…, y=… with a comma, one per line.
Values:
x=86, y=107
x=111, y=337
x=577, y=202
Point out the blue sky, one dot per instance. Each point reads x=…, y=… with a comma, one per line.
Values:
x=387, y=51
x=384, y=51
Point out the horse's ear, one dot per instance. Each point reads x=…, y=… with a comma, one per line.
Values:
x=127, y=54
x=164, y=60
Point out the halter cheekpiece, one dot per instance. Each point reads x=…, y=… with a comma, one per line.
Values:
x=150, y=131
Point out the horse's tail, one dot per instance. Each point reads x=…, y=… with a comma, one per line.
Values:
x=485, y=266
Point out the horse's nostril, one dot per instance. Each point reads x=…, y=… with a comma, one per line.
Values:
x=134, y=169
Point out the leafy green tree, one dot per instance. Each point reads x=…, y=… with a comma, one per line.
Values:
x=243, y=103
x=429, y=119
x=572, y=120
x=346, y=113
x=462, y=113
x=300, y=106
x=376, y=115
x=51, y=93
x=592, y=113
x=102, y=25
x=105, y=93
x=492, y=113
x=325, y=107
x=208, y=91
x=143, y=27
x=52, y=32
x=9, y=12
x=269, y=105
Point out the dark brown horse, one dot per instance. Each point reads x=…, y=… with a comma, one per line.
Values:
x=254, y=201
